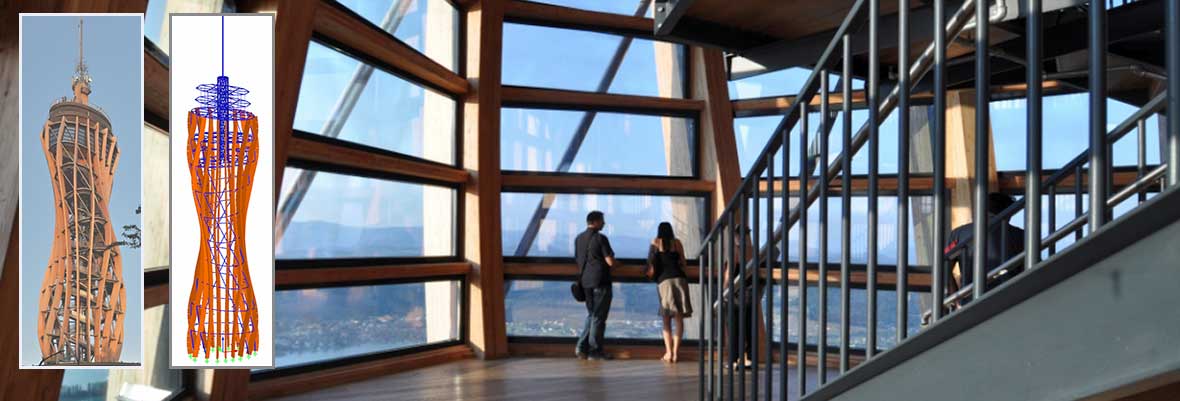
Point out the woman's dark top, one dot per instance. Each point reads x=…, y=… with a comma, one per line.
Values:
x=666, y=263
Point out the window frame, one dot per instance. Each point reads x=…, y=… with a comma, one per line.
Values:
x=409, y=261
x=311, y=367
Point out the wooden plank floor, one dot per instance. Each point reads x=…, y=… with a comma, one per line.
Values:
x=531, y=379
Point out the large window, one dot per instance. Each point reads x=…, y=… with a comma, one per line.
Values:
x=155, y=19
x=580, y=60
x=336, y=215
x=155, y=381
x=343, y=98
x=429, y=26
x=858, y=324
x=546, y=224
x=548, y=141
x=323, y=324
x=534, y=308
x=753, y=133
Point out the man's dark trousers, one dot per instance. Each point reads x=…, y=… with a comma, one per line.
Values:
x=597, y=309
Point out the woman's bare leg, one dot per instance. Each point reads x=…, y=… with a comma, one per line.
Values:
x=676, y=339
x=667, y=332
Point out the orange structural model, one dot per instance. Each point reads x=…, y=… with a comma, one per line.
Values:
x=222, y=155
x=82, y=302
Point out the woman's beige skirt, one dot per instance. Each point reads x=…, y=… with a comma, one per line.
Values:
x=674, y=298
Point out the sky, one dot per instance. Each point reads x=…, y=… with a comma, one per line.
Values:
x=114, y=57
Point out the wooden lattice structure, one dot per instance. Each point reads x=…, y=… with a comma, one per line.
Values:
x=82, y=301
x=222, y=156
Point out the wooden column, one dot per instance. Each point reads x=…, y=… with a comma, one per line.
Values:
x=719, y=157
x=960, y=154
x=960, y=159
x=481, y=158
x=16, y=384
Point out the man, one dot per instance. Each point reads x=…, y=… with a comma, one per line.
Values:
x=1003, y=242
x=595, y=258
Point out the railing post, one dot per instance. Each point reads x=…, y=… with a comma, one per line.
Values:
x=784, y=388
x=770, y=261
x=1098, y=148
x=801, y=292
x=982, y=82
x=1172, y=43
x=1032, y=191
x=825, y=122
x=845, y=200
x=903, y=167
x=743, y=331
x=939, y=144
x=756, y=234
x=872, y=88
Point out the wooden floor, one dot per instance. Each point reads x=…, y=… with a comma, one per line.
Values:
x=530, y=379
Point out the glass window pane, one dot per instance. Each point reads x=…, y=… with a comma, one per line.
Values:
x=343, y=216
x=322, y=324
x=858, y=330
x=538, y=140
x=156, y=229
x=155, y=20
x=343, y=98
x=577, y=60
x=154, y=382
x=428, y=26
x=545, y=309
x=631, y=222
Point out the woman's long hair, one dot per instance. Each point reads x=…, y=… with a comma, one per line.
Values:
x=664, y=233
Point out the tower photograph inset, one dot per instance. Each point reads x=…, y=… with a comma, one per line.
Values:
x=81, y=276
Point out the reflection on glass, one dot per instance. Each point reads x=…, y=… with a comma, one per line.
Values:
x=343, y=98
x=155, y=20
x=631, y=222
x=858, y=330
x=539, y=139
x=578, y=60
x=428, y=26
x=545, y=309
x=322, y=324
x=154, y=382
x=156, y=231
x=343, y=216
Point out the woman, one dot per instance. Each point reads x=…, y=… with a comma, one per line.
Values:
x=666, y=262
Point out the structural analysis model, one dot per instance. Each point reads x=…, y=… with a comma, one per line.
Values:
x=82, y=301
x=222, y=154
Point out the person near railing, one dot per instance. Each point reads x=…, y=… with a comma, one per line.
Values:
x=666, y=265
x=1003, y=241
x=747, y=299
x=595, y=258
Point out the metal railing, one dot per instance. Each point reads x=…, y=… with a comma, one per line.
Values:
x=746, y=254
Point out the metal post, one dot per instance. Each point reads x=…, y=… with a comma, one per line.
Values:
x=801, y=292
x=702, y=275
x=727, y=318
x=982, y=80
x=770, y=261
x=872, y=89
x=1098, y=149
x=783, y=305
x=938, y=131
x=756, y=234
x=1172, y=43
x=903, y=167
x=1077, y=197
x=1032, y=190
x=740, y=264
x=825, y=122
x=1141, y=166
x=845, y=200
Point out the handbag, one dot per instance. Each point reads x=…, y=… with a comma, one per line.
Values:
x=576, y=288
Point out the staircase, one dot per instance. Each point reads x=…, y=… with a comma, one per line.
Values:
x=1092, y=312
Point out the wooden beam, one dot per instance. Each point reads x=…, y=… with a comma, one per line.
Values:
x=312, y=150
x=560, y=98
x=630, y=271
x=777, y=105
x=155, y=87
x=561, y=182
x=16, y=384
x=304, y=382
x=483, y=248
x=859, y=185
x=719, y=156
x=155, y=295
x=551, y=15
x=855, y=277
x=358, y=35
x=335, y=275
